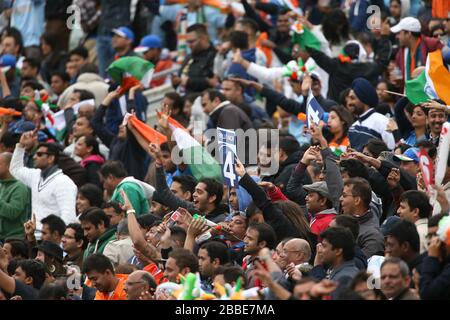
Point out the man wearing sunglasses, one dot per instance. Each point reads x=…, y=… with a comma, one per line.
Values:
x=52, y=192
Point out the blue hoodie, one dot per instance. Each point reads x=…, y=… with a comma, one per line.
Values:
x=244, y=197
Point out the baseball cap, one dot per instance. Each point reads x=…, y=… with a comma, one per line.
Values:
x=388, y=224
x=407, y=24
x=124, y=32
x=149, y=42
x=7, y=61
x=409, y=155
x=320, y=187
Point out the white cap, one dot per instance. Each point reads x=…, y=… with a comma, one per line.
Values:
x=407, y=24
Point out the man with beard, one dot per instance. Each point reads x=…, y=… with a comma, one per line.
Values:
x=436, y=117
x=211, y=255
x=369, y=123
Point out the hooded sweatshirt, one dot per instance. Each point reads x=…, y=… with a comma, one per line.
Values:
x=244, y=198
x=97, y=246
x=137, y=191
x=15, y=205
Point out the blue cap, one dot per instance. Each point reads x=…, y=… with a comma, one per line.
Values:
x=411, y=154
x=7, y=61
x=149, y=42
x=124, y=32
x=388, y=224
x=24, y=126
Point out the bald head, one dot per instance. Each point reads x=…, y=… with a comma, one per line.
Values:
x=297, y=251
x=5, y=160
x=138, y=282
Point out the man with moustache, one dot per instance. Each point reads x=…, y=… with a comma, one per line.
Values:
x=436, y=117
x=369, y=124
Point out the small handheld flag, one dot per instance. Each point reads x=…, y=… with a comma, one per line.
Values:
x=314, y=111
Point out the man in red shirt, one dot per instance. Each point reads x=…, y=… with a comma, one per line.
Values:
x=320, y=206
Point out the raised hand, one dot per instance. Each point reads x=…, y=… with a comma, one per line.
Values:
x=318, y=258
x=306, y=84
x=441, y=197
x=163, y=116
x=155, y=151
x=197, y=227
x=317, y=133
x=113, y=95
x=132, y=91
x=310, y=155
x=184, y=219
x=267, y=185
x=126, y=201
x=27, y=138
x=293, y=272
x=30, y=226
x=248, y=83
x=434, y=248
x=239, y=168
x=237, y=57
x=393, y=178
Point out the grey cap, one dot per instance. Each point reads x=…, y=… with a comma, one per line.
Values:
x=320, y=187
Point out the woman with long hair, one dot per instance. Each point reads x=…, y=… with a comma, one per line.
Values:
x=295, y=214
x=54, y=58
x=89, y=195
x=335, y=134
x=417, y=116
x=87, y=148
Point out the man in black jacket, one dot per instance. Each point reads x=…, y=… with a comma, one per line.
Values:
x=219, y=110
x=196, y=72
x=123, y=147
x=344, y=69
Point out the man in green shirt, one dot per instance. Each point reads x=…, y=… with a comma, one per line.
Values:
x=114, y=178
x=98, y=232
x=15, y=202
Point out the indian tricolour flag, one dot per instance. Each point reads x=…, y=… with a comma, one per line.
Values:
x=304, y=37
x=200, y=162
x=131, y=71
x=432, y=83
